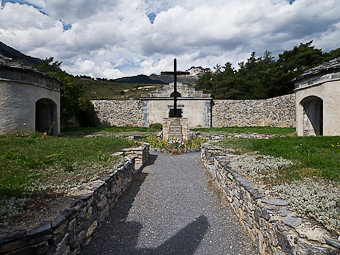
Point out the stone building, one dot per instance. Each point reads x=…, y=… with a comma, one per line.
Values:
x=196, y=106
x=29, y=99
x=318, y=100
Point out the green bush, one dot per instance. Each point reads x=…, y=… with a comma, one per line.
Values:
x=174, y=145
x=156, y=126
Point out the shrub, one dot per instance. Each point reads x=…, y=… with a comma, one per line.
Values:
x=174, y=145
x=156, y=126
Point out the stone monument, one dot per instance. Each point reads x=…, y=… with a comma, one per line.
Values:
x=175, y=127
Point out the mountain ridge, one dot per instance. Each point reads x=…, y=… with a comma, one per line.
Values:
x=16, y=55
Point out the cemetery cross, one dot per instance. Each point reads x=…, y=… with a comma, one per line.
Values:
x=175, y=113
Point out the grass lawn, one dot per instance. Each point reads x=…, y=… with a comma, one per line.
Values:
x=312, y=156
x=34, y=166
x=247, y=130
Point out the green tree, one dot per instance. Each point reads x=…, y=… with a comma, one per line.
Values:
x=293, y=63
x=263, y=77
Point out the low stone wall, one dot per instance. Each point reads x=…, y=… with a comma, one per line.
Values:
x=118, y=112
x=140, y=154
x=275, y=112
x=74, y=227
x=272, y=226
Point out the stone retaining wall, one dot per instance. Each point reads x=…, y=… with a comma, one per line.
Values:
x=74, y=227
x=275, y=112
x=118, y=112
x=272, y=226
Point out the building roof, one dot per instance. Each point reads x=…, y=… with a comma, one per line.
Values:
x=328, y=71
x=327, y=67
x=11, y=70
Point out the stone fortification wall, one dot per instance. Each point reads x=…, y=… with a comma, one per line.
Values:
x=271, y=224
x=76, y=224
x=118, y=112
x=276, y=112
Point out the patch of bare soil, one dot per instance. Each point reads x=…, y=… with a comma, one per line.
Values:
x=42, y=209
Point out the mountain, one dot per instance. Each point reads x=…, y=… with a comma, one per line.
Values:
x=142, y=79
x=190, y=79
x=9, y=52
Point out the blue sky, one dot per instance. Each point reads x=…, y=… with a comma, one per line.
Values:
x=111, y=39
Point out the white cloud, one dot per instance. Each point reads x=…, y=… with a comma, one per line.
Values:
x=104, y=70
x=112, y=38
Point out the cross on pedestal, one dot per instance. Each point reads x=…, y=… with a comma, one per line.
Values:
x=175, y=113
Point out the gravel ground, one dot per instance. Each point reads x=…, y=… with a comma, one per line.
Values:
x=170, y=209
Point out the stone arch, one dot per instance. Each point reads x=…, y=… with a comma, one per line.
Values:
x=46, y=116
x=312, y=116
x=177, y=93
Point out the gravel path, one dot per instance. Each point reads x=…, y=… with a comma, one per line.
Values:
x=170, y=209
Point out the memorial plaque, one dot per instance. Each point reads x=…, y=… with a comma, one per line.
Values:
x=175, y=129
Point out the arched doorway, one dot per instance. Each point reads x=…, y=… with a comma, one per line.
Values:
x=312, y=116
x=46, y=116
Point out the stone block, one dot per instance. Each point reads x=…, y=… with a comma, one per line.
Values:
x=292, y=221
x=286, y=242
x=308, y=248
x=44, y=228
x=91, y=228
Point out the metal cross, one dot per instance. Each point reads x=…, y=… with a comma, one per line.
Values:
x=175, y=112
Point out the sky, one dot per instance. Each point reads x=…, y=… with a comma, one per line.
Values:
x=116, y=38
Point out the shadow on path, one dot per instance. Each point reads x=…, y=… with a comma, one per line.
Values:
x=119, y=236
x=152, y=159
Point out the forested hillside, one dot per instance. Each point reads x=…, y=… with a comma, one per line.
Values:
x=263, y=77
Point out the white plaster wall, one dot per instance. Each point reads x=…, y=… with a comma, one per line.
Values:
x=194, y=110
x=329, y=92
x=17, y=105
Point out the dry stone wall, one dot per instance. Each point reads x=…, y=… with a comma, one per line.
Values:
x=76, y=224
x=271, y=224
x=118, y=112
x=275, y=112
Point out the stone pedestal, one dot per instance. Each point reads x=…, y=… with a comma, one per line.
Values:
x=175, y=128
